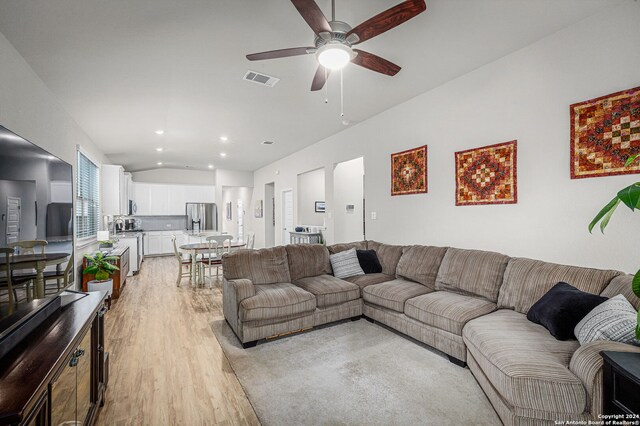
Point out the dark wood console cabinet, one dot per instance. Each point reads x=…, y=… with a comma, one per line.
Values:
x=119, y=277
x=59, y=373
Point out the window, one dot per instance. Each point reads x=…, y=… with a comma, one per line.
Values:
x=87, y=198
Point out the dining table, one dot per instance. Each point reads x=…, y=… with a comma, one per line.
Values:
x=196, y=248
x=39, y=263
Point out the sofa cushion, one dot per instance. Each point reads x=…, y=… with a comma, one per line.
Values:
x=614, y=319
x=337, y=248
x=264, y=266
x=472, y=272
x=345, y=264
x=562, y=308
x=447, y=311
x=622, y=285
x=526, y=365
x=307, y=260
x=420, y=264
x=526, y=280
x=369, y=262
x=388, y=256
x=276, y=301
x=329, y=290
x=369, y=279
x=393, y=294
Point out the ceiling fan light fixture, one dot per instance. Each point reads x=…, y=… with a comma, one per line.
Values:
x=335, y=56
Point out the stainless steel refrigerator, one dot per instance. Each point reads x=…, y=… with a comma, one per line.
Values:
x=202, y=217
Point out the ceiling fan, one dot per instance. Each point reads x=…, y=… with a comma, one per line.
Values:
x=334, y=39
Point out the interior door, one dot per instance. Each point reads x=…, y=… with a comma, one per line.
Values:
x=287, y=215
x=13, y=219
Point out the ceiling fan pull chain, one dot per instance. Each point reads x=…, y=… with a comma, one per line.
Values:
x=326, y=87
x=341, y=96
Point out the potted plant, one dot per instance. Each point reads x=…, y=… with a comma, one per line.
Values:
x=630, y=196
x=98, y=264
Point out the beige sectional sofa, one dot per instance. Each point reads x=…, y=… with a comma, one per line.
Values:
x=469, y=304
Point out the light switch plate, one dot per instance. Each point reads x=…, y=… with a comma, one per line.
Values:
x=374, y=215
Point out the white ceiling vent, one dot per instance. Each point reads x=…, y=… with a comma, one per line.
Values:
x=263, y=79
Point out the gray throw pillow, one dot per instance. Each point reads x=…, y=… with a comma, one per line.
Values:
x=345, y=264
x=613, y=320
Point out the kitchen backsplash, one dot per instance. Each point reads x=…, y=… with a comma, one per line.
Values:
x=162, y=223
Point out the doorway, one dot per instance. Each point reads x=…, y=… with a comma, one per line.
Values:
x=348, y=201
x=311, y=195
x=287, y=215
x=269, y=215
x=13, y=220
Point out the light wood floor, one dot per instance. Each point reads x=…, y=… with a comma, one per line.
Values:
x=166, y=365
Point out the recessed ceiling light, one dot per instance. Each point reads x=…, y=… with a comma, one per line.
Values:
x=159, y=132
x=159, y=149
x=223, y=154
x=268, y=142
x=224, y=138
x=159, y=163
x=210, y=166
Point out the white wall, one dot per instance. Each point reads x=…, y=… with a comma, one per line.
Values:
x=348, y=189
x=524, y=96
x=29, y=109
x=310, y=190
x=180, y=176
x=232, y=195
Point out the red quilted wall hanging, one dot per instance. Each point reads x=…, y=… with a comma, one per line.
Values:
x=605, y=132
x=487, y=175
x=409, y=171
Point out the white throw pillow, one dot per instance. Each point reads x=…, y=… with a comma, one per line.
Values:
x=613, y=320
x=345, y=264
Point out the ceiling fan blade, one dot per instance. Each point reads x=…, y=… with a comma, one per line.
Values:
x=375, y=63
x=312, y=15
x=388, y=19
x=322, y=74
x=282, y=53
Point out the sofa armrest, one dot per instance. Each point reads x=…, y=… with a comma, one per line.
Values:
x=234, y=292
x=587, y=362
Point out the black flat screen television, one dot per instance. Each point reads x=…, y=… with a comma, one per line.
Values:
x=36, y=203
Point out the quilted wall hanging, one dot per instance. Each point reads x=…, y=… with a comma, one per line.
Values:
x=409, y=171
x=605, y=132
x=487, y=175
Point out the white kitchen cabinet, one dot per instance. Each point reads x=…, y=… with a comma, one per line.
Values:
x=155, y=243
x=141, y=197
x=176, y=199
x=113, y=190
x=167, y=199
x=158, y=199
x=161, y=242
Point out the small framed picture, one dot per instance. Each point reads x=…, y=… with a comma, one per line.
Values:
x=319, y=206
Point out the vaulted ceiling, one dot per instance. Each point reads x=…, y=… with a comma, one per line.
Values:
x=124, y=69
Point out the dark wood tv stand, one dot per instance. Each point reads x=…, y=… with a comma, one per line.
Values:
x=59, y=373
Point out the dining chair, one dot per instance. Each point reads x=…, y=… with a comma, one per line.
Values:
x=5, y=281
x=181, y=262
x=28, y=246
x=59, y=277
x=218, y=245
x=25, y=278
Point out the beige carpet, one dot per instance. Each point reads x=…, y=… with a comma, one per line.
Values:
x=354, y=373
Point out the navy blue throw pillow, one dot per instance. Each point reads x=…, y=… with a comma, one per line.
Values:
x=369, y=262
x=562, y=308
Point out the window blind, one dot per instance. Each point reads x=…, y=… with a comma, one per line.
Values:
x=87, y=198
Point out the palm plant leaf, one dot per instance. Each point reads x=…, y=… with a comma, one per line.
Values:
x=606, y=210
x=631, y=160
x=635, y=284
x=630, y=195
